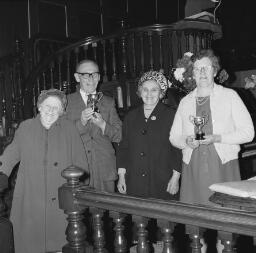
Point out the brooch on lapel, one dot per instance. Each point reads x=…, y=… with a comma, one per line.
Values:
x=153, y=117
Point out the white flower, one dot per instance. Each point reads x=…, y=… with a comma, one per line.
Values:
x=189, y=54
x=178, y=74
x=250, y=82
x=169, y=83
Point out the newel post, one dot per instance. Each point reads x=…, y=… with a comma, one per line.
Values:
x=76, y=230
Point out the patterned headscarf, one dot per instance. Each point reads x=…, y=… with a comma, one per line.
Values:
x=52, y=93
x=156, y=76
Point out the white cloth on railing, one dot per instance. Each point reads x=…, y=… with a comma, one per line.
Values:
x=244, y=188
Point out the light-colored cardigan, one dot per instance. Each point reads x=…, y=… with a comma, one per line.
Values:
x=230, y=119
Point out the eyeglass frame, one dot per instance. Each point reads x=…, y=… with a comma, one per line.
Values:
x=89, y=75
x=205, y=69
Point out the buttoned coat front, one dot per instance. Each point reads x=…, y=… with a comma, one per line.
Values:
x=98, y=146
x=39, y=225
x=147, y=154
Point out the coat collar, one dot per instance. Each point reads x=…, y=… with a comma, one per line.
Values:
x=155, y=113
x=56, y=123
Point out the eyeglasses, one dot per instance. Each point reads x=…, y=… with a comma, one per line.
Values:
x=204, y=69
x=85, y=75
x=51, y=109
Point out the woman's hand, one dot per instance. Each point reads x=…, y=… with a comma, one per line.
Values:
x=210, y=139
x=173, y=184
x=121, y=185
x=192, y=142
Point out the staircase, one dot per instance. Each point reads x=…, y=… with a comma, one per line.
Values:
x=122, y=57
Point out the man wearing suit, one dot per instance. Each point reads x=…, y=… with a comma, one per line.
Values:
x=97, y=129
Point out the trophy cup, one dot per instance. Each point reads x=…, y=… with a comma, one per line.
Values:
x=93, y=100
x=199, y=122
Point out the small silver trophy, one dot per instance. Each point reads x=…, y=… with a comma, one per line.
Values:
x=93, y=100
x=199, y=122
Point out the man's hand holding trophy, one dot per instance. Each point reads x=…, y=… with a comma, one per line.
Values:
x=91, y=113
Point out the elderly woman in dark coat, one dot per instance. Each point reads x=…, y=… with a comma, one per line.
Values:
x=148, y=165
x=44, y=146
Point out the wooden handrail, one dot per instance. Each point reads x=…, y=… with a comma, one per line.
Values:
x=75, y=198
x=225, y=219
x=127, y=65
x=93, y=39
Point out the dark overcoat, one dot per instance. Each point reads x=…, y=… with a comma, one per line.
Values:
x=146, y=152
x=98, y=146
x=39, y=225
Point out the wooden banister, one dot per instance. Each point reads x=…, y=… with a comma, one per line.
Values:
x=226, y=221
x=121, y=56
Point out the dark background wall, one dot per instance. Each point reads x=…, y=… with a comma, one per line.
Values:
x=62, y=19
x=25, y=19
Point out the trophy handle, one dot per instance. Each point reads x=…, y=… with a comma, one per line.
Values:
x=206, y=118
x=100, y=95
x=191, y=119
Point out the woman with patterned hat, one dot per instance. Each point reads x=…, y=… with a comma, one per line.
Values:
x=148, y=165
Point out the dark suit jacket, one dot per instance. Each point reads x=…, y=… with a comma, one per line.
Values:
x=146, y=152
x=98, y=146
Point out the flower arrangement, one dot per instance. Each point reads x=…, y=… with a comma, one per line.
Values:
x=183, y=74
x=250, y=82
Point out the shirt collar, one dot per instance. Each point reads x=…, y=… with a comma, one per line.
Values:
x=83, y=93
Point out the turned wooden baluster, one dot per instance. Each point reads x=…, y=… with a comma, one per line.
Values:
x=123, y=55
x=13, y=97
x=170, y=55
x=200, y=36
x=194, y=42
x=104, y=70
x=76, y=51
x=76, y=230
x=194, y=234
x=179, y=34
x=60, y=59
x=187, y=34
x=20, y=90
x=98, y=235
x=227, y=241
x=150, y=41
x=208, y=39
x=142, y=60
x=85, y=48
x=44, y=80
x=94, y=50
x=167, y=229
x=68, y=72
x=120, y=241
x=112, y=42
x=133, y=56
x=51, y=74
x=141, y=223
x=34, y=98
x=160, y=50
x=3, y=118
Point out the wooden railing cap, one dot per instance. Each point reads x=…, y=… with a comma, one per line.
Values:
x=72, y=174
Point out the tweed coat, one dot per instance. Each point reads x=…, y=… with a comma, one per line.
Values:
x=146, y=152
x=39, y=225
x=98, y=146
